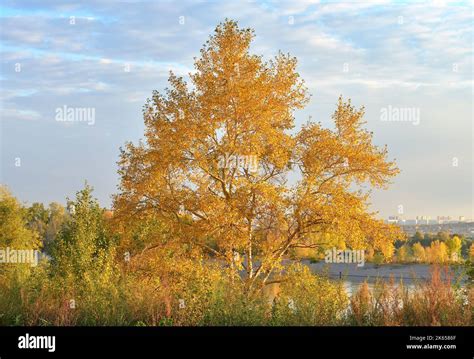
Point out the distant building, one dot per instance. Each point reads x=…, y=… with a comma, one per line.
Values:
x=423, y=219
x=394, y=219
x=444, y=219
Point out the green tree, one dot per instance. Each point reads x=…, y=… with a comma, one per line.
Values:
x=37, y=217
x=418, y=236
x=56, y=219
x=442, y=236
x=13, y=223
x=82, y=244
x=454, y=245
x=427, y=239
x=14, y=231
x=83, y=267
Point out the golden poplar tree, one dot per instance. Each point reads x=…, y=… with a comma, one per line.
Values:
x=223, y=169
x=419, y=252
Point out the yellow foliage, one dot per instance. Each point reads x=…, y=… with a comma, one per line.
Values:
x=241, y=107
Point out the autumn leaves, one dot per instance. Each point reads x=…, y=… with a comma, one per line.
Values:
x=239, y=106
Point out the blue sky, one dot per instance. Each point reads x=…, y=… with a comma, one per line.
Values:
x=415, y=55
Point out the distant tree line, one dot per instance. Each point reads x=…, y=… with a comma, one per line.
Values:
x=440, y=247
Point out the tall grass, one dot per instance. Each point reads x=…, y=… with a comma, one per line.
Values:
x=433, y=303
x=203, y=295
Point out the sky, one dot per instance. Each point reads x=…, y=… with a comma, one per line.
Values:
x=411, y=58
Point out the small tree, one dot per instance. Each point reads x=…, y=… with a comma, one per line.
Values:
x=419, y=252
x=37, y=217
x=418, y=236
x=14, y=232
x=437, y=252
x=454, y=245
x=82, y=245
x=404, y=253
